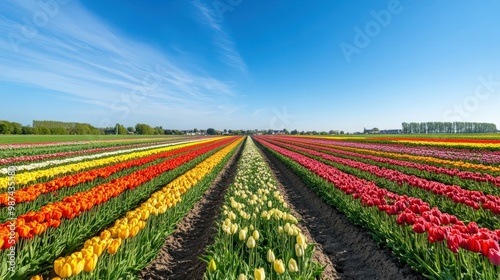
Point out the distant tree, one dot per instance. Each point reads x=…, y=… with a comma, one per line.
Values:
x=323, y=133
x=269, y=132
x=28, y=130
x=286, y=131
x=120, y=129
x=211, y=131
x=130, y=129
x=294, y=132
x=58, y=131
x=158, y=130
x=341, y=132
x=144, y=129
x=195, y=130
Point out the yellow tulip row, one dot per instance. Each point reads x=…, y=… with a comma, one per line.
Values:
x=256, y=214
x=135, y=220
x=28, y=177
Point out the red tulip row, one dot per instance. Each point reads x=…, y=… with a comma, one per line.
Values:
x=474, y=199
x=476, y=176
x=412, y=211
x=35, y=223
x=32, y=192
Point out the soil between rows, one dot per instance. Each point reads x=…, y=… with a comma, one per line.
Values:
x=179, y=257
x=350, y=248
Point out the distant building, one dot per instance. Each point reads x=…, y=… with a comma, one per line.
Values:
x=391, y=131
x=371, y=131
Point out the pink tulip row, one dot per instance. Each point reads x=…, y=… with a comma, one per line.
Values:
x=444, y=153
x=411, y=211
x=474, y=199
x=476, y=176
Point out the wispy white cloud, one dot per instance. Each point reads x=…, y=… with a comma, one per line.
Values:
x=87, y=61
x=227, y=49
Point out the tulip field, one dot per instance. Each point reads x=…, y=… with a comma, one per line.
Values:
x=103, y=209
x=436, y=208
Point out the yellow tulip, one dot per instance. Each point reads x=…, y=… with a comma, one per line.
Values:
x=38, y=277
x=242, y=235
x=58, y=264
x=256, y=235
x=242, y=277
x=123, y=232
x=281, y=230
x=251, y=242
x=66, y=271
x=90, y=263
x=234, y=228
x=99, y=248
x=114, y=246
x=142, y=224
x=292, y=265
x=134, y=231
x=299, y=250
x=106, y=234
x=279, y=267
x=212, y=266
x=301, y=239
x=259, y=274
x=270, y=256
x=77, y=266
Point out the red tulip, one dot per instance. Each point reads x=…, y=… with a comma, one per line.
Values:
x=473, y=245
x=419, y=228
x=494, y=256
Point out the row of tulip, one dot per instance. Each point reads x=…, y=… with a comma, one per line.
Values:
x=32, y=192
x=36, y=222
x=257, y=235
x=435, y=243
x=25, y=178
x=83, y=215
x=134, y=221
x=491, y=144
x=68, y=143
x=41, y=150
x=34, y=161
x=472, y=199
x=453, y=172
x=486, y=157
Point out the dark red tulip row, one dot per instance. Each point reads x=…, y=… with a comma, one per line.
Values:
x=474, y=199
x=476, y=176
x=409, y=210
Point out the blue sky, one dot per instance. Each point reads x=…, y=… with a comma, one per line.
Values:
x=239, y=64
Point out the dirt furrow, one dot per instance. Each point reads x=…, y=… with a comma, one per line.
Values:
x=350, y=248
x=179, y=258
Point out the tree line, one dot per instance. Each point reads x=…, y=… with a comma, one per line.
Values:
x=448, y=127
